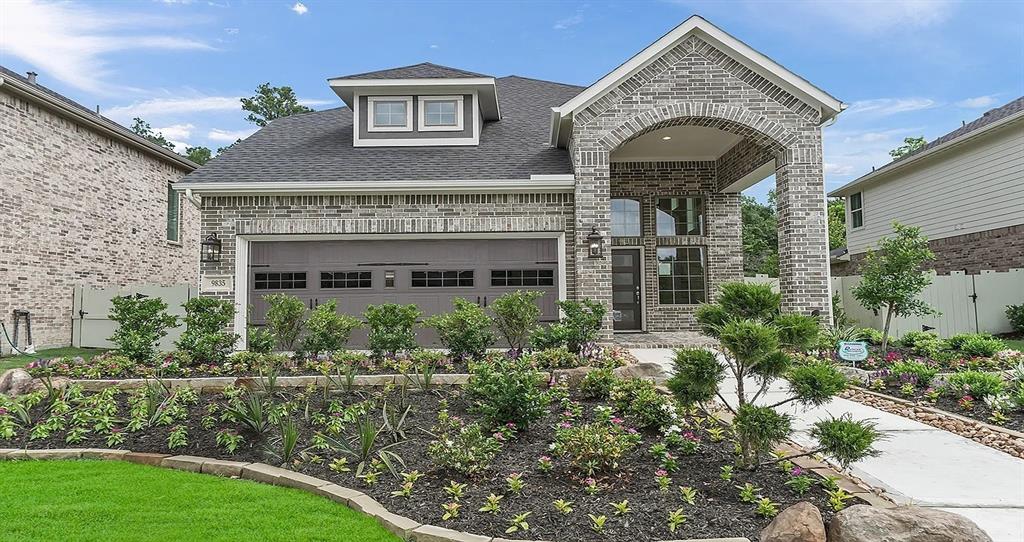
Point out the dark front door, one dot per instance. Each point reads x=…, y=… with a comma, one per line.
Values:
x=626, y=309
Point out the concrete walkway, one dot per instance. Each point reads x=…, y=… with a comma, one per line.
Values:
x=919, y=464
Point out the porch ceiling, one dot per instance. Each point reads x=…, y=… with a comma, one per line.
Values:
x=677, y=143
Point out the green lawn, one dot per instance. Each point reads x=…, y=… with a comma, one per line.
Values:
x=21, y=360
x=1016, y=344
x=117, y=501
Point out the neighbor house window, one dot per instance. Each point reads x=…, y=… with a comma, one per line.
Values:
x=346, y=279
x=857, y=209
x=680, y=216
x=279, y=281
x=440, y=113
x=173, y=214
x=625, y=217
x=522, y=277
x=441, y=279
x=681, y=275
x=390, y=113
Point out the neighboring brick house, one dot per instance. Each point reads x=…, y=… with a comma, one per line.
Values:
x=434, y=183
x=965, y=190
x=83, y=201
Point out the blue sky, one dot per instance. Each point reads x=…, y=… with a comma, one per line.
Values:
x=905, y=67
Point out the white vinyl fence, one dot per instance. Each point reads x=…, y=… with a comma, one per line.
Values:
x=91, y=326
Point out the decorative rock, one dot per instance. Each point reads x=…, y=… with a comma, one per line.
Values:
x=572, y=377
x=645, y=369
x=799, y=523
x=862, y=523
x=15, y=382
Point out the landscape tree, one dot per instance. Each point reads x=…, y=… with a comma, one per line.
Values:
x=836, y=224
x=894, y=275
x=910, y=144
x=271, y=103
x=760, y=236
x=142, y=128
x=221, y=150
x=199, y=155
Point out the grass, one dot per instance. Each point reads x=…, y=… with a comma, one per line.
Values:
x=1015, y=344
x=110, y=500
x=23, y=359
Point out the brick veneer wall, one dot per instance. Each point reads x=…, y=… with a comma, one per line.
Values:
x=647, y=181
x=79, y=208
x=385, y=214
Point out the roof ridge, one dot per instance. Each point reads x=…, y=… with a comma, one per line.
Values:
x=385, y=71
x=542, y=81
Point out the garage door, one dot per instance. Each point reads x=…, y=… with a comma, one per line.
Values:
x=427, y=273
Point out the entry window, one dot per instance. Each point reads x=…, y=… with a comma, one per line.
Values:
x=442, y=279
x=681, y=275
x=346, y=279
x=857, y=209
x=279, y=281
x=625, y=217
x=680, y=216
x=390, y=113
x=173, y=214
x=523, y=277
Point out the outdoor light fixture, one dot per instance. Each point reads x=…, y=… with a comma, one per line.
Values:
x=595, y=244
x=210, y=249
x=666, y=138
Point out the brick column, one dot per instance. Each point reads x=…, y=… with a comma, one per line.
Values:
x=803, y=229
x=593, y=209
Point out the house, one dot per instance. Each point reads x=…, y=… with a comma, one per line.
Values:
x=435, y=182
x=965, y=190
x=83, y=202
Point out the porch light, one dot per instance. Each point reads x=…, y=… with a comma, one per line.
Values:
x=666, y=138
x=595, y=244
x=210, y=249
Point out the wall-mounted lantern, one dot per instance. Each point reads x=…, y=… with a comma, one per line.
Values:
x=595, y=244
x=210, y=249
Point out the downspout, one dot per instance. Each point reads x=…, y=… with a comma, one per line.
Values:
x=193, y=198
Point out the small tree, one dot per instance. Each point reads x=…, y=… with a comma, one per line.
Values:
x=142, y=322
x=579, y=326
x=516, y=315
x=755, y=337
x=391, y=328
x=284, y=318
x=271, y=103
x=205, y=337
x=893, y=277
x=910, y=144
x=465, y=331
x=199, y=155
x=142, y=128
x=326, y=330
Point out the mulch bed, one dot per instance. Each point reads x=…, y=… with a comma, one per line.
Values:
x=980, y=412
x=718, y=511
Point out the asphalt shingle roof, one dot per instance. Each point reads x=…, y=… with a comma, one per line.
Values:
x=423, y=70
x=317, y=146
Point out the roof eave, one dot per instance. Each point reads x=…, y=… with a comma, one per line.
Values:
x=533, y=184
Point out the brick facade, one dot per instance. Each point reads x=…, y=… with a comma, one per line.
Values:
x=80, y=208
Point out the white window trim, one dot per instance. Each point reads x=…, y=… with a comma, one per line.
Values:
x=459, y=109
x=371, y=116
x=400, y=140
x=852, y=210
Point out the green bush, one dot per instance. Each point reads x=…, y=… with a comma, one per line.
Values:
x=977, y=384
x=1015, y=313
x=797, y=331
x=516, y=315
x=205, y=337
x=911, y=338
x=594, y=447
x=975, y=345
x=871, y=335
x=922, y=373
x=326, y=330
x=142, y=322
x=579, y=326
x=598, y=384
x=639, y=400
x=259, y=340
x=284, y=318
x=749, y=300
x=845, y=439
x=759, y=430
x=391, y=328
x=507, y=392
x=465, y=331
x=696, y=375
x=923, y=343
x=555, y=358
x=463, y=448
x=816, y=382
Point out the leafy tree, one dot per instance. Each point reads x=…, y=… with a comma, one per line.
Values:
x=221, y=150
x=142, y=128
x=199, y=155
x=910, y=144
x=894, y=275
x=271, y=103
x=760, y=236
x=836, y=224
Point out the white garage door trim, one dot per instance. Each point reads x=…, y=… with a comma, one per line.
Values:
x=242, y=259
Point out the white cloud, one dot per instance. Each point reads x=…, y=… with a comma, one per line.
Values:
x=229, y=136
x=176, y=131
x=70, y=42
x=173, y=106
x=310, y=102
x=889, y=106
x=870, y=17
x=434, y=46
x=300, y=8
x=566, y=22
x=837, y=169
x=231, y=31
x=978, y=102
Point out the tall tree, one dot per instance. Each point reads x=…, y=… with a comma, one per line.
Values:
x=836, y=224
x=221, y=150
x=271, y=103
x=910, y=144
x=199, y=155
x=760, y=236
x=142, y=128
x=893, y=276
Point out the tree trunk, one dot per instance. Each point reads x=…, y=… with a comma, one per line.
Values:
x=885, y=330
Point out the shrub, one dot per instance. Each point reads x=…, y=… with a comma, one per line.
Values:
x=871, y=335
x=816, y=382
x=640, y=400
x=977, y=384
x=507, y=392
x=463, y=448
x=919, y=373
x=594, y=447
x=391, y=328
x=696, y=375
x=555, y=358
x=797, y=331
x=910, y=339
x=1015, y=313
x=759, y=430
x=579, y=326
x=259, y=340
x=516, y=315
x=326, y=330
x=284, y=318
x=846, y=440
x=465, y=331
x=142, y=322
x=749, y=301
x=598, y=384
x=975, y=345
x=205, y=338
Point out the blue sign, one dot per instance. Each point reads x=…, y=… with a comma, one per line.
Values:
x=853, y=350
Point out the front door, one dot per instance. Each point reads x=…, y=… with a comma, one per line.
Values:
x=626, y=310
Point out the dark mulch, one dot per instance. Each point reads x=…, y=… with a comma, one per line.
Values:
x=980, y=412
x=718, y=512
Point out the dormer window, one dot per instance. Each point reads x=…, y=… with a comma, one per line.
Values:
x=390, y=114
x=440, y=113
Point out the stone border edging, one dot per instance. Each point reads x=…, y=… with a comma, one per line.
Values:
x=999, y=438
x=405, y=528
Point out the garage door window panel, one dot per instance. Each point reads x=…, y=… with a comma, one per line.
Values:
x=522, y=277
x=279, y=281
x=442, y=279
x=346, y=279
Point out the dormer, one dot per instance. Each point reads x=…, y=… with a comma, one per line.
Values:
x=419, y=105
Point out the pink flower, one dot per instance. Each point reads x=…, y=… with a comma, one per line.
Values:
x=617, y=421
x=661, y=473
x=565, y=425
x=545, y=458
x=797, y=471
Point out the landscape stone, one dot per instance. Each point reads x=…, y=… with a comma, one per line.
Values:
x=72, y=453
x=15, y=382
x=299, y=481
x=339, y=494
x=433, y=533
x=227, y=469
x=188, y=463
x=103, y=453
x=572, y=377
x=799, y=523
x=862, y=523
x=144, y=458
x=644, y=369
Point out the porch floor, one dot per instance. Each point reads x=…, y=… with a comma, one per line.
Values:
x=661, y=339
